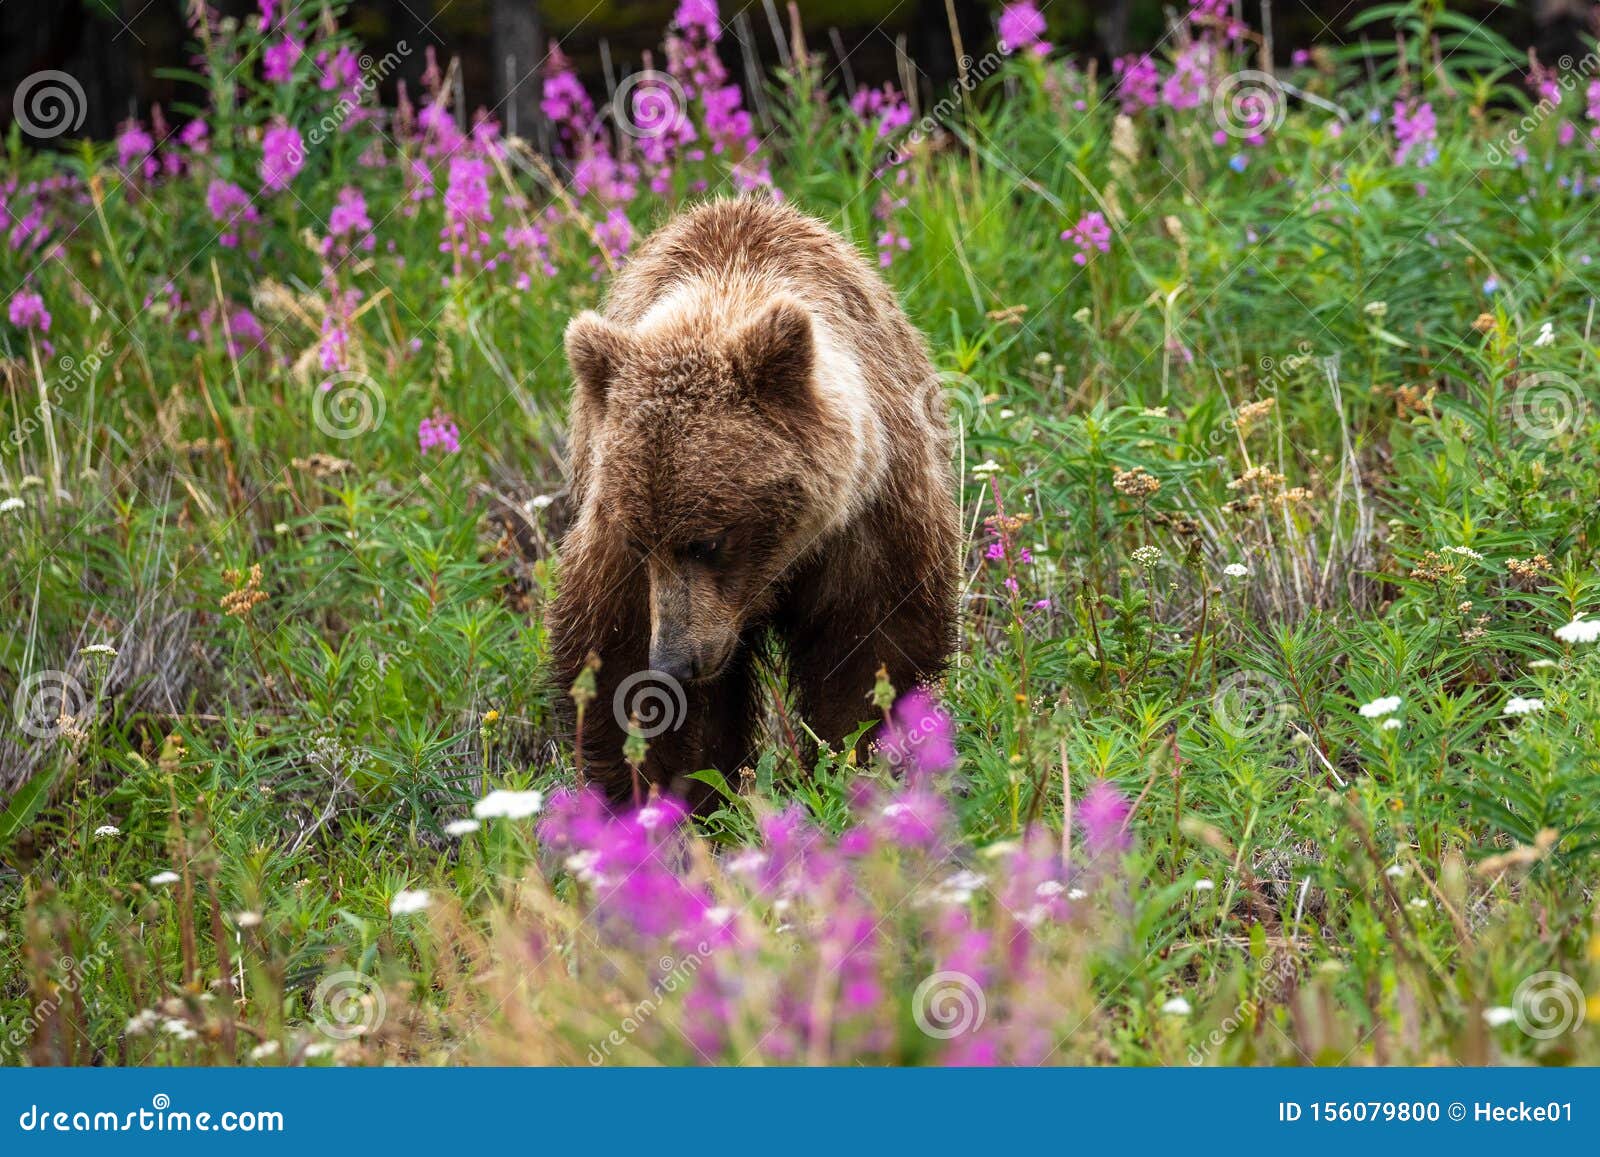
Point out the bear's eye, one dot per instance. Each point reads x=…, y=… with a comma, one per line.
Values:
x=706, y=550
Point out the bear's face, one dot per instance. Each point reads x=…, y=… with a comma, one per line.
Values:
x=700, y=471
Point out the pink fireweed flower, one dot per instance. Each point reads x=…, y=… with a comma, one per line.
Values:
x=888, y=242
x=466, y=196
x=282, y=156
x=349, y=214
x=886, y=105
x=701, y=16
x=279, y=58
x=195, y=136
x=919, y=736
x=1102, y=814
x=134, y=146
x=1091, y=233
x=914, y=818
x=1186, y=87
x=615, y=233
x=27, y=311
x=1415, y=131
x=229, y=205
x=1022, y=29
x=1138, y=82
x=438, y=433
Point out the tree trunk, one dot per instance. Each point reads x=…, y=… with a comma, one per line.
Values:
x=516, y=49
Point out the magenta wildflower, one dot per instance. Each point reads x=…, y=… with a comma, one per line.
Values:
x=1415, y=132
x=1092, y=233
x=134, y=145
x=699, y=15
x=28, y=312
x=615, y=233
x=195, y=136
x=349, y=213
x=919, y=736
x=1102, y=814
x=887, y=106
x=279, y=58
x=1022, y=29
x=228, y=205
x=282, y=156
x=1138, y=82
x=438, y=433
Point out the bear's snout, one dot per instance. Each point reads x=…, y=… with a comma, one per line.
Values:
x=675, y=662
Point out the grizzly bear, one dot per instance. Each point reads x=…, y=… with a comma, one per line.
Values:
x=760, y=461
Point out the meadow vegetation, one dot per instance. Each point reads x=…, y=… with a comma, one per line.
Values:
x=1273, y=736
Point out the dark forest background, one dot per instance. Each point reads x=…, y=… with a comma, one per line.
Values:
x=122, y=50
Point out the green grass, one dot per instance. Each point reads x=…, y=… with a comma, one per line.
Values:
x=299, y=760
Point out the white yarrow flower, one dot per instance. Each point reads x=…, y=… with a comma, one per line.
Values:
x=1580, y=630
x=11, y=504
x=1392, y=725
x=1395, y=871
x=461, y=827
x=1236, y=570
x=105, y=649
x=406, y=902
x=1547, y=335
x=1177, y=1006
x=511, y=805
x=108, y=830
x=1204, y=885
x=1378, y=708
x=1495, y=1017
x=264, y=1050
x=1516, y=706
x=162, y=878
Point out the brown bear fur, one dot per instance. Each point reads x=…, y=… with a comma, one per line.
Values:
x=758, y=450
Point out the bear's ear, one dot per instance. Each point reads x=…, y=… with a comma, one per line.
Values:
x=773, y=355
x=595, y=348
